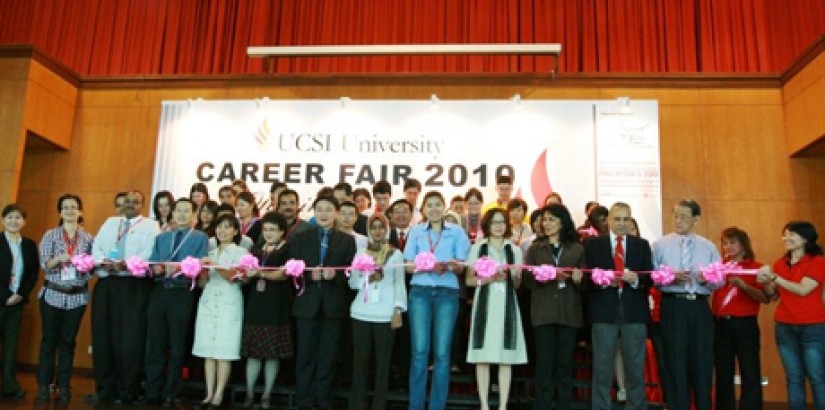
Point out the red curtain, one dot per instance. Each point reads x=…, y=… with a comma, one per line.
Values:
x=129, y=37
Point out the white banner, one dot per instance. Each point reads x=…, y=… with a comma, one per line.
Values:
x=584, y=150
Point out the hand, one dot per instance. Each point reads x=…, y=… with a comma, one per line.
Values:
x=157, y=269
x=120, y=266
x=396, y=321
x=453, y=266
x=13, y=300
x=328, y=274
x=562, y=275
x=171, y=269
x=737, y=282
x=316, y=275
x=109, y=266
x=577, y=275
x=764, y=275
x=629, y=277
x=440, y=268
x=63, y=258
x=377, y=275
x=501, y=275
x=682, y=276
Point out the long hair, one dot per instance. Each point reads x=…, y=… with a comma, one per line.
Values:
x=807, y=231
x=567, y=233
x=742, y=237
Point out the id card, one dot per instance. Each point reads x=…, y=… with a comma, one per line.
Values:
x=114, y=254
x=260, y=286
x=68, y=273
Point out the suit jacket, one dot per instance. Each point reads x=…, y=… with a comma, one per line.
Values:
x=361, y=225
x=31, y=268
x=605, y=304
x=333, y=295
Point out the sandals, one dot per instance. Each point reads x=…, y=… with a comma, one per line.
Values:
x=265, y=403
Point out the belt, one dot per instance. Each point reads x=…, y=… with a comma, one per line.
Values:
x=685, y=296
x=172, y=284
x=71, y=290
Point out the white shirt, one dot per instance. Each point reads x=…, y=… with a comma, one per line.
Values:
x=140, y=239
x=384, y=296
x=361, y=241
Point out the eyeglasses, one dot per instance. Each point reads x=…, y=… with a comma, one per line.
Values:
x=498, y=223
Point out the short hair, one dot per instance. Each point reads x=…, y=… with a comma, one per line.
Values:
x=487, y=221
x=618, y=205
x=247, y=197
x=121, y=194
x=695, y=209
x=158, y=196
x=553, y=195
x=516, y=203
x=382, y=187
x=343, y=186
x=412, y=183
x=225, y=208
x=325, y=191
x=595, y=214
x=139, y=193
x=567, y=233
x=199, y=187
x=277, y=185
x=742, y=237
x=457, y=198
x=14, y=208
x=348, y=204
x=504, y=179
x=362, y=192
x=242, y=184
x=235, y=223
x=590, y=205
x=327, y=198
x=398, y=202
x=274, y=218
x=804, y=229
x=182, y=200
x=473, y=192
x=226, y=188
x=286, y=192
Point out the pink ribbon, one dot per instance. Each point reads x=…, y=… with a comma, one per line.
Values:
x=602, y=277
x=83, y=263
x=663, y=276
x=294, y=268
x=137, y=266
x=424, y=262
x=544, y=273
x=363, y=263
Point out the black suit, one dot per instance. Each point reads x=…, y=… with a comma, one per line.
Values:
x=11, y=316
x=619, y=314
x=320, y=311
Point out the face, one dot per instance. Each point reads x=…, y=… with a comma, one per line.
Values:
x=793, y=241
x=119, y=205
x=225, y=232
x=207, y=216
x=133, y=205
x=244, y=208
x=227, y=196
x=183, y=213
x=633, y=230
x=273, y=196
x=378, y=231
x=550, y=224
x=325, y=214
x=14, y=222
x=288, y=207
x=537, y=225
x=504, y=191
x=401, y=216
x=459, y=207
x=516, y=216
x=341, y=196
x=362, y=203
x=164, y=207
x=411, y=194
x=198, y=198
x=434, y=209
x=271, y=232
x=474, y=206
x=451, y=219
x=732, y=248
x=347, y=218
x=619, y=221
x=69, y=210
x=683, y=220
x=498, y=225
x=382, y=200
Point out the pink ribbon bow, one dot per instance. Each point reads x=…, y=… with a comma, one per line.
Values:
x=485, y=267
x=137, y=266
x=544, y=273
x=663, y=276
x=83, y=263
x=602, y=277
x=294, y=268
x=425, y=262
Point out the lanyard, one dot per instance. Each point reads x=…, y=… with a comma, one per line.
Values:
x=292, y=228
x=182, y=241
x=70, y=245
x=430, y=238
x=556, y=255
x=121, y=235
x=245, y=226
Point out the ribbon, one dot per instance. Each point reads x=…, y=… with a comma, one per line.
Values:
x=294, y=268
x=363, y=263
x=83, y=263
x=543, y=273
x=602, y=277
x=424, y=262
x=663, y=276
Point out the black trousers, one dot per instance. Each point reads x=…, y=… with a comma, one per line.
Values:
x=168, y=317
x=554, y=362
x=736, y=339
x=10, y=318
x=119, y=335
x=368, y=338
x=687, y=335
x=461, y=330
x=654, y=332
x=317, y=352
x=59, y=328
x=401, y=353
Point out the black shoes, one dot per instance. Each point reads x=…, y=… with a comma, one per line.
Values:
x=20, y=394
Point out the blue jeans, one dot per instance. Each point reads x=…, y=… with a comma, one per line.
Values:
x=802, y=351
x=431, y=309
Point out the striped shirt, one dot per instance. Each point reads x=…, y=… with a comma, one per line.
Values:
x=53, y=244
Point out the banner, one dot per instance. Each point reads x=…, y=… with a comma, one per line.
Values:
x=584, y=150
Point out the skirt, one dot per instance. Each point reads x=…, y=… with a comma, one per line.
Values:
x=267, y=342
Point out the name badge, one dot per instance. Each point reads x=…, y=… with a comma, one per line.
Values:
x=68, y=273
x=114, y=254
x=260, y=285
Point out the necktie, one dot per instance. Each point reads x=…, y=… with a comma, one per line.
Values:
x=618, y=257
x=121, y=245
x=322, y=254
x=686, y=259
x=402, y=240
x=176, y=243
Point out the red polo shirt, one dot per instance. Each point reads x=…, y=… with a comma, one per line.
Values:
x=732, y=301
x=801, y=310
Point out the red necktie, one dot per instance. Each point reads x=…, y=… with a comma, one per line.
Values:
x=401, y=240
x=618, y=259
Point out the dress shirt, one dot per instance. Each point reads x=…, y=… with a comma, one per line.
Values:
x=668, y=250
x=384, y=296
x=140, y=239
x=16, y=247
x=613, y=241
x=361, y=241
x=53, y=244
x=450, y=243
x=193, y=243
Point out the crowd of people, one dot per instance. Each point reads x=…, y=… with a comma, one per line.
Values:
x=422, y=324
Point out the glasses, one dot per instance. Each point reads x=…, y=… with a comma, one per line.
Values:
x=498, y=223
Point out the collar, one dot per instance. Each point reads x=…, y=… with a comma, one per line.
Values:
x=443, y=225
x=134, y=220
x=13, y=241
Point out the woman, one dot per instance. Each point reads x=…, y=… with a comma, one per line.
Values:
x=376, y=314
x=736, y=332
x=246, y=213
x=596, y=219
x=797, y=280
x=162, y=210
x=535, y=227
x=517, y=209
x=556, y=309
x=63, y=297
x=220, y=311
x=496, y=334
x=206, y=217
x=239, y=186
x=199, y=194
x=19, y=264
x=363, y=199
x=433, y=299
x=267, y=329
x=553, y=198
x=474, y=201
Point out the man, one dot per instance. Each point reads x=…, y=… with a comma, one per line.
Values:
x=504, y=189
x=346, y=222
x=459, y=206
x=619, y=311
x=226, y=195
x=119, y=303
x=322, y=308
x=687, y=323
x=171, y=304
x=381, y=194
x=412, y=189
x=343, y=193
x=120, y=198
x=274, y=192
x=400, y=216
x=288, y=205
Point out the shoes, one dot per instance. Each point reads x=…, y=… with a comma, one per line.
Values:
x=247, y=403
x=64, y=396
x=169, y=403
x=621, y=395
x=265, y=403
x=44, y=393
x=20, y=394
x=97, y=398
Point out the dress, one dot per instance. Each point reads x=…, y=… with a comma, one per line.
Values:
x=267, y=329
x=220, y=311
x=493, y=350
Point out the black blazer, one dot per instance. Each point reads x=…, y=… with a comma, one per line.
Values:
x=361, y=225
x=31, y=267
x=333, y=295
x=605, y=303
